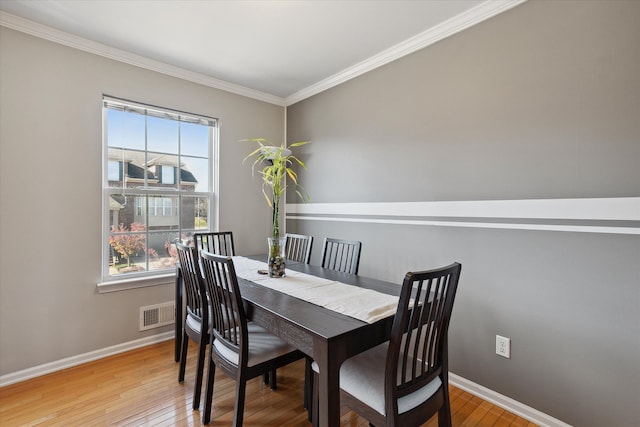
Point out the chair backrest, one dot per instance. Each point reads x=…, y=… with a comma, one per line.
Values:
x=418, y=346
x=229, y=317
x=341, y=255
x=219, y=242
x=194, y=290
x=298, y=247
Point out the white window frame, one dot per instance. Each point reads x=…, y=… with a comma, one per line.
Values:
x=110, y=283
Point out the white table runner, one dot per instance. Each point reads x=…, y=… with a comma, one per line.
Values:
x=360, y=303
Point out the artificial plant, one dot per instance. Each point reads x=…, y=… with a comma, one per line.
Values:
x=277, y=167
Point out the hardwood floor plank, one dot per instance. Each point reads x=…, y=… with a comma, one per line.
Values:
x=491, y=417
x=476, y=416
x=505, y=419
x=140, y=388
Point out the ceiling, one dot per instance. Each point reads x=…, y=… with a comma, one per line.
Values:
x=278, y=51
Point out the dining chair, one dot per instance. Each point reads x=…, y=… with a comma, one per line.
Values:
x=196, y=318
x=221, y=243
x=298, y=247
x=341, y=255
x=404, y=381
x=241, y=349
x=218, y=242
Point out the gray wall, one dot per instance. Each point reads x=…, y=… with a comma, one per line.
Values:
x=540, y=102
x=50, y=193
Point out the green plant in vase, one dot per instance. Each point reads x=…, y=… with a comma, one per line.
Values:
x=277, y=168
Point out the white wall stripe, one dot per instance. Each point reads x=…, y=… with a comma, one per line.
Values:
x=538, y=227
x=618, y=208
x=596, y=209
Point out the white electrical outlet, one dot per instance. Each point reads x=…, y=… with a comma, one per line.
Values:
x=503, y=346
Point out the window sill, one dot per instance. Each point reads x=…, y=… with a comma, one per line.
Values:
x=135, y=283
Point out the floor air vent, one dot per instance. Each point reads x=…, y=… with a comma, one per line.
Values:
x=154, y=316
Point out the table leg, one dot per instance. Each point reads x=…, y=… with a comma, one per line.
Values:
x=329, y=388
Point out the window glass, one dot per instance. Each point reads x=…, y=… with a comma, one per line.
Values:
x=162, y=135
x=191, y=137
x=125, y=129
x=114, y=170
x=195, y=213
x=167, y=174
x=194, y=174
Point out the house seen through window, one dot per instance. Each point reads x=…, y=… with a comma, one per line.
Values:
x=158, y=185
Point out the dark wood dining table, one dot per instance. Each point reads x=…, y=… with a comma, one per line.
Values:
x=325, y=335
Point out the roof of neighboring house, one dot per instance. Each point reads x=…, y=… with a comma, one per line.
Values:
x=135, y=171
x=186, y=176
x=115, y=205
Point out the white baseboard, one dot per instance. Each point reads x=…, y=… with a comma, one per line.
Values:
x=58, y=365
x=482, y=392
x=513, y=406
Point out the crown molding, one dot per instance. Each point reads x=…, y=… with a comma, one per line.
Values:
x=454, y=25
x=42, y=31
x=448, y=28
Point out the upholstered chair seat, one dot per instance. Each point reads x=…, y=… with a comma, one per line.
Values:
x=263, y=346
x=362, y=376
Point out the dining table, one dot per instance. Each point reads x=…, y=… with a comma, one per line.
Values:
x=327, y=336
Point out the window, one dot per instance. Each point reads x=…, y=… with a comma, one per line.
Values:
x=114, y=171
x=167, y=174
x=158, y=185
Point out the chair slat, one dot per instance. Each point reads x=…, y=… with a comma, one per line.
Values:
x=341, y=255
x=298, y=247
x=219, y=242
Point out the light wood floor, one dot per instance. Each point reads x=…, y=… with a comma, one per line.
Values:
x=140, y=388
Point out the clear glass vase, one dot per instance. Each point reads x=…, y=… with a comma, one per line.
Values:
x=277, y=259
